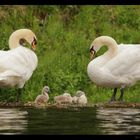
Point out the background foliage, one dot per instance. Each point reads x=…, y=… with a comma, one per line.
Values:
x=64, y=34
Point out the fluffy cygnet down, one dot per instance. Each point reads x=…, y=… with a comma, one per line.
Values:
x=80, y=98
x=42, y=99
x=63, y=99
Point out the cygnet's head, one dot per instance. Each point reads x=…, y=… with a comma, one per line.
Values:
x=67, y=94
x=45, y=90
x=79, y=93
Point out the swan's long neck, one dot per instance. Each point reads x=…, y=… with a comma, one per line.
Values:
x=112, y=47
x=110, y=53
x=94, y=68
x=15, y=38
x=14, y=42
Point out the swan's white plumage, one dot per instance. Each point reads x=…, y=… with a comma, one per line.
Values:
x=119, y=69
x=17, y=65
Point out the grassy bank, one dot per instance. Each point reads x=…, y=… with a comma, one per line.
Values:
x=64, y=35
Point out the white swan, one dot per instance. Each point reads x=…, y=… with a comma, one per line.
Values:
x=119, y=67
x=18, y=63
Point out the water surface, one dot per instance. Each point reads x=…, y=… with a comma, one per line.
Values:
x=70, y=121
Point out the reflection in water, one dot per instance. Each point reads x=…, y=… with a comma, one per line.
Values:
x=70, y=121
x=119, y=121
x=55, y=121
x=12, y=121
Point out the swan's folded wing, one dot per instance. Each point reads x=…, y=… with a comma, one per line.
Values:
x=127, y=62
x=10, y=74
x=19, y=59
x=10, y=60
x=10, y=79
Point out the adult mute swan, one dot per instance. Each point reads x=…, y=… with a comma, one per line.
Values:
x=18, y=63
x=118, y=67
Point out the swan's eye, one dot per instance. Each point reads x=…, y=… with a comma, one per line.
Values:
x=91, y=49
x=22, y=41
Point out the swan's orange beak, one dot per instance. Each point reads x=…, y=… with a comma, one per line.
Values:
x=92, y=55
x=33, y=45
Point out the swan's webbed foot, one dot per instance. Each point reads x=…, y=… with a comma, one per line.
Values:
x=19, y=92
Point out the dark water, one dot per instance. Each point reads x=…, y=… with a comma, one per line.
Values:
x=70, y=121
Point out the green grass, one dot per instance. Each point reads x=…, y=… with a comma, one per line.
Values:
x=64, y=35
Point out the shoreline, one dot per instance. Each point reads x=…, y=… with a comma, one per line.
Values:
x=51, y=105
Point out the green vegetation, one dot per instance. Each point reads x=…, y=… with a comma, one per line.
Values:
x=64, y=35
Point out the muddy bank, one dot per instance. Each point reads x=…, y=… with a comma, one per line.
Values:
x=50, y=105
